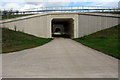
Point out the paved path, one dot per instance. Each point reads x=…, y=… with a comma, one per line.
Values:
x=60, y=58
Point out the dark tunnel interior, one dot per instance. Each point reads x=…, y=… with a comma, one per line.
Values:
x=63, y=28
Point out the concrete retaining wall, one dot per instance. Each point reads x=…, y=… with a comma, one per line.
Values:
x=90, y=23
x=36, y=26
x=40, y=25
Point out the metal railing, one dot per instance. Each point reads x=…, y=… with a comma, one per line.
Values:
x=67, y=9
x=72, y=9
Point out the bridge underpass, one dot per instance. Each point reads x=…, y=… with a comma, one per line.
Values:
x=56, y=59
x=73, y=24
x=63, y=28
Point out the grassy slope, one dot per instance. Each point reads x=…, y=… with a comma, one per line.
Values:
x=15, y=16
x=106, y=41
x=15, y=41
x=112, y=12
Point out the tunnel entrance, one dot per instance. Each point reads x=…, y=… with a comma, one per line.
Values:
x=57, y=30
x=63, y=28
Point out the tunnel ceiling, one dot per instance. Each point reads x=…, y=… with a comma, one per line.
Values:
x=62, y=20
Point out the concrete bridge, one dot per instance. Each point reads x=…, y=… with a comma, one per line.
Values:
x=75, y=24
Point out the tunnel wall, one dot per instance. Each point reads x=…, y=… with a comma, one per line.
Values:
x=91, y=23
x=71, y=29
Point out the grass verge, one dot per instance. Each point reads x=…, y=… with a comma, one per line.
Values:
x=106, y=41
x=14, y=16
x=16, y=41
x=111, y=12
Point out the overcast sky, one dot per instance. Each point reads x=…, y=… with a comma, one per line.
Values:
x=27, y=4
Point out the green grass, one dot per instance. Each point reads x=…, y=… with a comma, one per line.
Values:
x=15, y=16
x=112, y=12
x=106, y=41
x=16, y=41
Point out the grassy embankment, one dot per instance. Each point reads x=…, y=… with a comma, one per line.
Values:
x=14, y=16
x=16, y=41
x=106, y=41
x=111, y=12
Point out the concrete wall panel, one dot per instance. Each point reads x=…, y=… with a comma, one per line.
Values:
x=89, y=23
x=36, y=26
